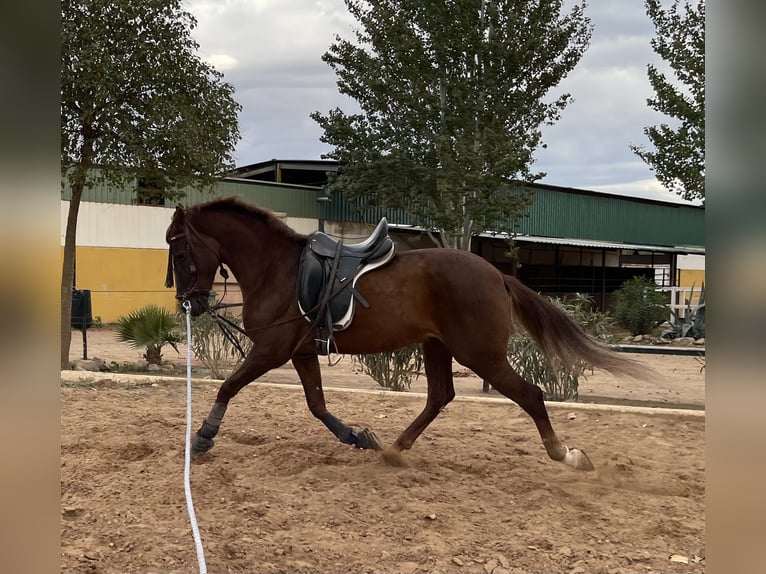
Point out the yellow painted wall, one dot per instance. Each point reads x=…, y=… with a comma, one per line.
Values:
x=692, y=277
x=689, y=277
x=123, y=279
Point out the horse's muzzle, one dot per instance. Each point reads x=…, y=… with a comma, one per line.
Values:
x=200, y=303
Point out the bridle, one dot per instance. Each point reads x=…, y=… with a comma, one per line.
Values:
x=188, y=229
x=195, y=291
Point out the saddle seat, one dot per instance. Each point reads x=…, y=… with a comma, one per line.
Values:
x=375, y=246
x=327, y=276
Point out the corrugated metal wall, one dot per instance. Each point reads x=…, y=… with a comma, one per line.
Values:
x=342, y=209
x=560, y=213
x=102, y=192
x=297, y=201
x=554, y=213
x=584, y=216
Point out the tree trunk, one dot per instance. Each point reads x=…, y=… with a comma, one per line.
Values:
x=67, y=273
x=153, y=355
x=70, y=244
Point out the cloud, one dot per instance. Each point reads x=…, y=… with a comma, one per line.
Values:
x=269, y=34
x=589, y=146
x=222, y=62
x=646, y=188
x=271, y=50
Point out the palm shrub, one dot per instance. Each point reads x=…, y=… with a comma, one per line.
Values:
x=213, y=348
x=150, y=328
x=638, y=306
x=559, y=382
x=394, y=370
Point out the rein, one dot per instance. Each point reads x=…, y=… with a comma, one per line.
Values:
x=227, y=325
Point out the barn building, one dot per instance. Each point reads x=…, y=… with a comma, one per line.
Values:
x=573, y=240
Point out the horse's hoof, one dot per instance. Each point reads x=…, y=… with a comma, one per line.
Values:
x=577, y=459
x=200, y=445
x=367, y=439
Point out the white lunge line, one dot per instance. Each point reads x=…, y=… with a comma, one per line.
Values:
x=187, y=458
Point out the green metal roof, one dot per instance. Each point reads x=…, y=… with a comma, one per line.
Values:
x=555, y=212
x=572, y=213
x=295, y=200
x=561, y=212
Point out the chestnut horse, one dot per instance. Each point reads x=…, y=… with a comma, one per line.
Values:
x=453, y=302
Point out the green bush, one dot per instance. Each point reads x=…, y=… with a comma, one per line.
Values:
x=395, y=370
x=581, y=308
x=150, y=328
x=558, y=381
x=213, y=348
x=638, y=306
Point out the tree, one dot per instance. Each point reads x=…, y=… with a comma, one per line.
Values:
x=452, y=100
x=136, y=102
x=679, y=156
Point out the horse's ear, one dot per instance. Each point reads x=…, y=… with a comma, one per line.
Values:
x=180, y=214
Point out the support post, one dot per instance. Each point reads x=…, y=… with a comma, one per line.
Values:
x=84, y=340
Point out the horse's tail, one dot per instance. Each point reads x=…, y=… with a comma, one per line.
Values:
x=560, y=337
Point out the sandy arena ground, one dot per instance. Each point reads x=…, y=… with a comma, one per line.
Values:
x=279, y=494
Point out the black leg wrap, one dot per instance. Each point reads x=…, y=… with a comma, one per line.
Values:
x=207, y=430
x=337, y=428
x=359, y=438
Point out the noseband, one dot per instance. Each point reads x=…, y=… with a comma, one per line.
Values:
x=194, y=290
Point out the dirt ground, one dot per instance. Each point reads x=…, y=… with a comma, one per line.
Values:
x=279, y=494
x=680, y=380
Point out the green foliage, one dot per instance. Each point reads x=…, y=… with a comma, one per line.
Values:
x=452, y=100
x=692, y=324
x=679, y=155
x=581, y=308
x=213, y=348
x=136, y=98
x=559, y=382
x=638, y=306
x=395, y=370
x=151, y=328
x=137, y=104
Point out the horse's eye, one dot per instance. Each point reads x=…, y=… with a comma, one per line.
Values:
x=180, y=255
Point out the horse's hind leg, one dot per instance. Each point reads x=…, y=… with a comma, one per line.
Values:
x=530, y=398
x=441, y=390
x=307, y=368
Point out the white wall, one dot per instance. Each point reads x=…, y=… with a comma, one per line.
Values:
x=691, y=262
x=135, y=226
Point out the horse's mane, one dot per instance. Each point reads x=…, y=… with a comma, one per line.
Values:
x=237, y=205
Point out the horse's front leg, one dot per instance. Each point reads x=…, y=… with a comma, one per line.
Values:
x=251, y=368
x=307, y=367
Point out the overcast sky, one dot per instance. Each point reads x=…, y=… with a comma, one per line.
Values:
x=270, y=51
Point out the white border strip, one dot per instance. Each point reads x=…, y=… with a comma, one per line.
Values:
x=91, y=376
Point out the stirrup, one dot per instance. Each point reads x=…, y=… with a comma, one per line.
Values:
x=322, y=346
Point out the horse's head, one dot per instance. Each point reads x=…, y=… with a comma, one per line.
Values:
x=193, y=259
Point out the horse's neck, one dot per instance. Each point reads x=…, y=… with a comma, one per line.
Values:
x=258, y=255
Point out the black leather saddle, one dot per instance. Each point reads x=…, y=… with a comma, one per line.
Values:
x=327, y=276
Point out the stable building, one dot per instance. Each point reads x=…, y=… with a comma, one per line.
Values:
x=573, y=240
